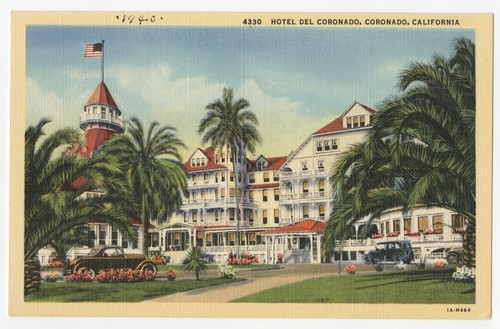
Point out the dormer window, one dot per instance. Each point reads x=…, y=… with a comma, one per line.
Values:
x=193, y=162
x=202, y=162
x=327, y=145
x=319, y=146
x=356, y=121
x=335, y=145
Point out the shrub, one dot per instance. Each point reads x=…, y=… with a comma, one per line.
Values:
x=171, y=275
x=113, y=276
x=465, y=274
x=51, y=277
x=227, y=271
x=351, y=269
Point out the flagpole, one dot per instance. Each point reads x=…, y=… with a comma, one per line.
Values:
x=102, y=61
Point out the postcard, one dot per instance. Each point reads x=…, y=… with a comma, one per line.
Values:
x=251, y=165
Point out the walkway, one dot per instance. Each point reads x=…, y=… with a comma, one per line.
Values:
x=255, y=281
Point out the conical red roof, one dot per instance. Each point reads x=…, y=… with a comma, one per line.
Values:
x=102, y=96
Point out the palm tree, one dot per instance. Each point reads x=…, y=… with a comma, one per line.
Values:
x=437, y=113
x=152, y=169
x=229, y=124
x=53, y=202
x=196, y=261
x=77, y=236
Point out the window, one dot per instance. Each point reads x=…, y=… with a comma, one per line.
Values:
x=349, y=123
x=251, y=178
x=223, y=192
x=223, y=158
x=155, y=238
x=276, y=194
x=387, y=229
x=198, y=162
x=304, y=165
x=276, y=176
x=321, y=164
x=102, y=234
x=276, y=216
x=423, y=223
x=327, y=145
x=260, y=165
x=205, y=176
x=319, y=146
x=321, y=185
x=217, y=215
x=202, y=161
x=305, y=186
x=91, y=237
x=396, y=225
x=264, y=217
x=208, y=239
x=216, y=177
x=362, y=121
x=322, y=208
x=231, y=176
x=355, y=122
x=305, y=212
x=223, y=176
x=407, y=224
x=193, y=195
x=193, y=162
x=335, y=145
x=264, y=195
x=194, y=178
x=250, y=194
x=124, y=241
x=239, y=177
x=114, y=236
x=252, y=238
x=457, y=220
x=266, y=177
x=437, y=222
x=216, y=193
x=231, y=214
x=203, y=193
x=250, y=217
x=231, y=192
x=232, y=238
x=194, y=216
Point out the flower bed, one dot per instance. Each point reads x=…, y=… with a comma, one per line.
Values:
x=431, y=231
x=171, y=275
x=78, y=277
x=113, y=276
x=246, y=259
x=393, y=234
x=439, y=264
x=350, y=269
x=55, y=263
x=459, y=230
x=377, y=235
x=410, y=233
x=465, y=274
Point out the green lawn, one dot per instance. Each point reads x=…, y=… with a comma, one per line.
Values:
x=115, y=292
x=411, y=287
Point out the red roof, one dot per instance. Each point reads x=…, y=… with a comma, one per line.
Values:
x=305, y=226
x=268, y=185
x=369, y=109
x=335, y=125
x=94, y=138
x=210, y=164
x=102, y=96
x=274, y=163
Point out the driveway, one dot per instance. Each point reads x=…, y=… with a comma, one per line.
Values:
x=255, y=281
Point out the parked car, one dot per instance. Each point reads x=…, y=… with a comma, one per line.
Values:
x=396, y=251
x=110, y=257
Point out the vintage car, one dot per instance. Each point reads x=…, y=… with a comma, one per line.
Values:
x=110, y=257
x=395, y=251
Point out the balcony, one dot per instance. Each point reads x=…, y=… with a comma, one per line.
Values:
x=89, y=119
x=305, y=173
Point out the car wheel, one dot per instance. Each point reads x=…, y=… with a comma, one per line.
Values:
x=452, y=259
x=367, y=259
x=86, y=269
x=149, y=267
x=398, y=258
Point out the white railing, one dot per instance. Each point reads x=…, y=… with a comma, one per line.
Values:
x=102, y=117
x=303, y=173
x=243, y=248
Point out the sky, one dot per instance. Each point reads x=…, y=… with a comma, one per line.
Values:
x=296, y=79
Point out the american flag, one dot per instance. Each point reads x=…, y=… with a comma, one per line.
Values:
x=93, y=50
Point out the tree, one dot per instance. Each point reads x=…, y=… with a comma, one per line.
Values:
x=229, y=124
x=152, y=169
x=77, y=236
x=196, y=261
x=54, y=185
x=421, y=150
